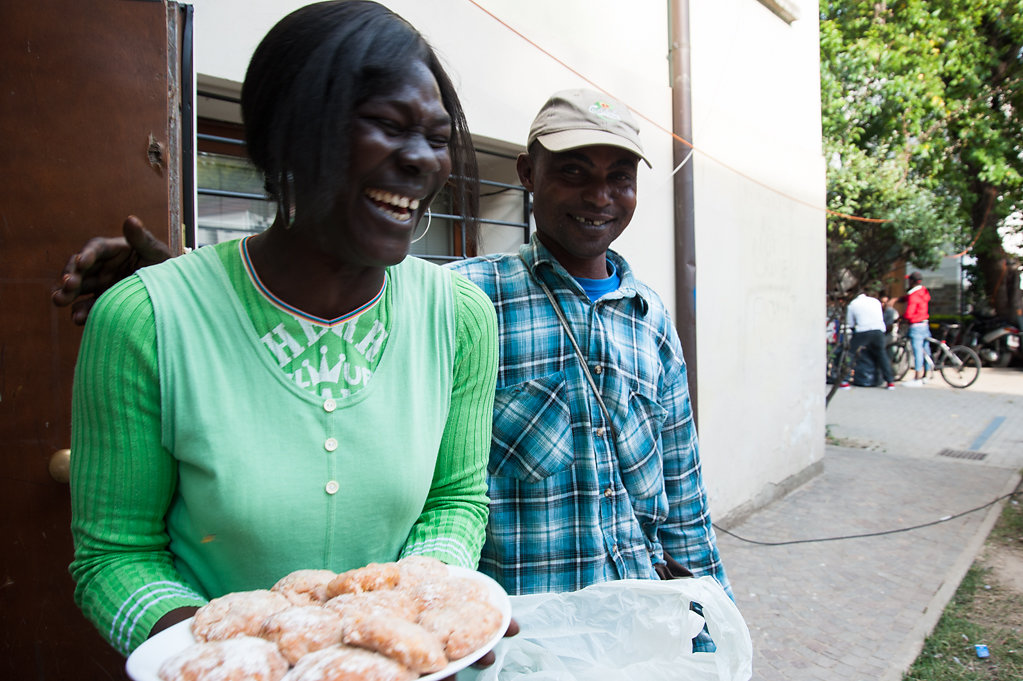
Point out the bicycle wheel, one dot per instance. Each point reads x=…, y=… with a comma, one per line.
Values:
x=834, y=361
x=837, y=371
x=901, y=358
x=960, y=366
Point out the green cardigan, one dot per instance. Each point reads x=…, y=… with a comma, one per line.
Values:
x=199, y=468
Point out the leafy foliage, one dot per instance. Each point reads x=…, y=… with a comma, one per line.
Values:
x=914, y=225
x=923, y=126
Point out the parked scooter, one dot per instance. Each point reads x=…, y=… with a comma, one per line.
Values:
x=995, y=339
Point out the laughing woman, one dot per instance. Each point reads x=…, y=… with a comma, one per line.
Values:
x=308, y=397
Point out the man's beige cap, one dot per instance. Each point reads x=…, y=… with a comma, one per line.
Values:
x=583, y=118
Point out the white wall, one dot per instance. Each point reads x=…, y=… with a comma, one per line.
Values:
x=760, y=254
x=760, y=230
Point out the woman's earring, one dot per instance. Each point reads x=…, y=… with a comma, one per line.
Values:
x=429, y=219
x=287, y=205
x=289, y=220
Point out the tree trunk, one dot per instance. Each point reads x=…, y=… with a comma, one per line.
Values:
x=999, y=272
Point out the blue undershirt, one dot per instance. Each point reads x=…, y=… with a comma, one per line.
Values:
x=595, y=288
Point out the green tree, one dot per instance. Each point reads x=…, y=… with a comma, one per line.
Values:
x=862, y=249
x=923, y=124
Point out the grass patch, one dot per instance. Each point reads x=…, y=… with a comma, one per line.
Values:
x=1008, y=531
x=986, y=609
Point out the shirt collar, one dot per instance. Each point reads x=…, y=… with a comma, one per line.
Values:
x=538, y=259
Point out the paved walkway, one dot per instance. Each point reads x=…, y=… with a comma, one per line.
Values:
x=859, y=609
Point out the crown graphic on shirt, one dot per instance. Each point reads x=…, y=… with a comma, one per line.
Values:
x=326, y=373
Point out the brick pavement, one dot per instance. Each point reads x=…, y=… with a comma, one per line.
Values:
x=859, y=609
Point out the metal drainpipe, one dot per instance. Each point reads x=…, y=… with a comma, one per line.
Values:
x=685, y=237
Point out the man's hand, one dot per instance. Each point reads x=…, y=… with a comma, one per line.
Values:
x=489, y=659
x=103, y=262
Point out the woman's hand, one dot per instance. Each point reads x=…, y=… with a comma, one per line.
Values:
x=103, y=262
x=172, y=618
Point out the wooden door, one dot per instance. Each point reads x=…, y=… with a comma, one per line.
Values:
x=88, y=134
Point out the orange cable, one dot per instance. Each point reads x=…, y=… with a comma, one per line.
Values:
x=671, y=132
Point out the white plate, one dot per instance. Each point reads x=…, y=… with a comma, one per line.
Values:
x=144, y=663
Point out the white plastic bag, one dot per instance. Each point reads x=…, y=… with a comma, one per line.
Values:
x=629, y=629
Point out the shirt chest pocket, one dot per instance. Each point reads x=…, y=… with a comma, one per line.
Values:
x=532, y=437
x=640, y=456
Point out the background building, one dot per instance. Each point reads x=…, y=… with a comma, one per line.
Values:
x=755, y=262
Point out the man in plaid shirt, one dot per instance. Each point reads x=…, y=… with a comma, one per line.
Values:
x=576, y=500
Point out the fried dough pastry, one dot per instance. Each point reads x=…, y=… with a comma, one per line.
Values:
x=462, y=626
x=439, y=593
x=372, y=577
x=301, y=629
x=415, y=569
x=305, y=587
x=345, y=663
x=236, y=614
x=382, y=622
x=394, y=602
x=243, y=658
x=415, y=647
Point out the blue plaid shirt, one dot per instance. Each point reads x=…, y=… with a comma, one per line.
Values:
x=570, y=505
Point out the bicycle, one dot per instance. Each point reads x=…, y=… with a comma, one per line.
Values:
x=900, y=355
x=957, y=364
x=841, y=357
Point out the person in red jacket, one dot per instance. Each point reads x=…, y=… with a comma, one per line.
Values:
x=916, y=315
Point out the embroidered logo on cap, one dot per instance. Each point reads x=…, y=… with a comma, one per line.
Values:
x=604, y=110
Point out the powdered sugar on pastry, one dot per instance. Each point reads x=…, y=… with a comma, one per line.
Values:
x=243, y=658
x=344, y=663
x=439, y=593
x=412, y=645
x=236, y=614
x=300, y=630
x=462, y=626
x=415, y=569
x=305, y=587
x=373, y=577
x=394, y=602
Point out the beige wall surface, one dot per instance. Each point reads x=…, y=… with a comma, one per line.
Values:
x=760, y=230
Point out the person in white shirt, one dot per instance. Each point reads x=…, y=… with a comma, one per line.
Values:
x=865, y=318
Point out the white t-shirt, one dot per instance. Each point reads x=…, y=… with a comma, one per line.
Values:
x=865, y=314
